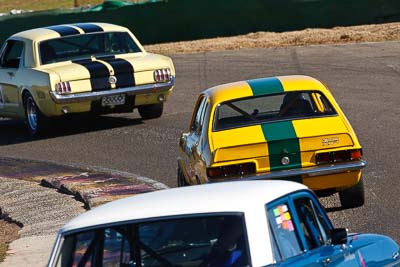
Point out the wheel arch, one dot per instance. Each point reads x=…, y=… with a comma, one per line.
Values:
x=24, y=92
x=38, y=100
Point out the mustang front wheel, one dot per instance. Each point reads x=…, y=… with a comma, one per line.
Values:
x=34, y=119
x=151, y=111
x=353, y=197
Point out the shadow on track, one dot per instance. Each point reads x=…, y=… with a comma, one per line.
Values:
x=333, y=209
x=14, y=132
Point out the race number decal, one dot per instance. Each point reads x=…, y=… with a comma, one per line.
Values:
x=1, y=97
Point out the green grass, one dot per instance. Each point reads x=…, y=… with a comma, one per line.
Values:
x=3, y=249
x=7, y=5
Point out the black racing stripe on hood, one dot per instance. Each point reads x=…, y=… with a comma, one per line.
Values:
x=64, y=30
x=123, y=71
x=88, y=27
x=99, y=74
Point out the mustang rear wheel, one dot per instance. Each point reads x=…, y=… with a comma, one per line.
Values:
x=34, y=119
x=353, y=197
x=151, y=111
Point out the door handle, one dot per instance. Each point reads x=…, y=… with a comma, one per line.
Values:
x=326, y=261
x=12, y=74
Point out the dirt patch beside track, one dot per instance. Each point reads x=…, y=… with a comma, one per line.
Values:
x=337, y=35
x=8, y=233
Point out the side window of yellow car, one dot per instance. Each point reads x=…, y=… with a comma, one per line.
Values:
x=11, y=54
x=198, y=120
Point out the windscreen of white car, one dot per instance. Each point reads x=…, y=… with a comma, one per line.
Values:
x=83, y=46
x=212, y=240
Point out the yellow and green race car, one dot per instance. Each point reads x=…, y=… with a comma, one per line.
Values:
x=80, y=68
x=287, y=127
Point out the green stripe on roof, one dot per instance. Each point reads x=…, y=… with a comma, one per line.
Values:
x=264, y=86
x=282, y=141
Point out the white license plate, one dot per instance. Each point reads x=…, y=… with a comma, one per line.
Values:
x=113, y=100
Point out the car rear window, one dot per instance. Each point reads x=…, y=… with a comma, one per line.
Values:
x=213, y=240
x=268, y=108
x=86, y=45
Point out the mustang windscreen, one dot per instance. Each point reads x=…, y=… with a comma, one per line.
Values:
x=266, y=108
x=86, y=45
x=195, y=241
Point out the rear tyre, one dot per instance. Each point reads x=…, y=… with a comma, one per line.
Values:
x=353, y=197
x=34, y=119
x=181, y=178
x=151, y=111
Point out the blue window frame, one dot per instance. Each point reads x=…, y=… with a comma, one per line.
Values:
x=298, y=224
x=285, y=236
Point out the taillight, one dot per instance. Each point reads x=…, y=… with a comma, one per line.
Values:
x=231, y=170
x=215, y=172
x=355, y=154
x=63, y=88
x=162, y=75
x=342, y=155
x=338, y=156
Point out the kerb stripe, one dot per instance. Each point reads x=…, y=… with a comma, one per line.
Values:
x=64, y=30
x=88, y=27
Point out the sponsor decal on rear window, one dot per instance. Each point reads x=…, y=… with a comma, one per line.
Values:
x=283, y=218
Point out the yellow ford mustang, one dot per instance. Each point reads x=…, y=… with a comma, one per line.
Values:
x=287, y=127
x=83, y=67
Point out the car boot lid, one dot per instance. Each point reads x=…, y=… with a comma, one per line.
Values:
x=275, y=138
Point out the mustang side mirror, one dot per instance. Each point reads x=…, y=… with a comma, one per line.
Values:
x=338, y=236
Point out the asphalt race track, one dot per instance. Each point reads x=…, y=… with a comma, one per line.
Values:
x=364, y=78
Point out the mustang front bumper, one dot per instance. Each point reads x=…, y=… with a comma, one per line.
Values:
x=97, y=95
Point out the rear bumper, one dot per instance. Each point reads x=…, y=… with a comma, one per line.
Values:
x=97, y=95
x=336, y=168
